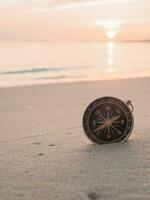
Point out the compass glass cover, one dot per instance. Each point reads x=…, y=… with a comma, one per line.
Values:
x=107, y=120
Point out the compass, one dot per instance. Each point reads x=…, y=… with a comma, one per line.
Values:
x=108, y=120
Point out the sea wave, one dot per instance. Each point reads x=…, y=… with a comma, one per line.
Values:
x=33, y=70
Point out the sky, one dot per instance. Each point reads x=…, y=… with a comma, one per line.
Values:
x=74, y=20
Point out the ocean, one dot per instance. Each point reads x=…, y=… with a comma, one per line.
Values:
x=29, y=63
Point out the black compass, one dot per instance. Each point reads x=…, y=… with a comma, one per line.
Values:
x=108, y=120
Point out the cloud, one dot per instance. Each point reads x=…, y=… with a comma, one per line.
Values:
x=23, y=3
x=71, y=4
x=58, y=2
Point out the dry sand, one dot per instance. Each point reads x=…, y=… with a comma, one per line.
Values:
x=45, y=155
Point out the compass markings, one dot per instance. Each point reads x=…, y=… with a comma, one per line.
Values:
x=114, y=127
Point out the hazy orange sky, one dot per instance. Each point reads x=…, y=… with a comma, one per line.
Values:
x=74, y=20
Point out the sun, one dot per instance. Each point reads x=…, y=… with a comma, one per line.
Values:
x=111, y=34
x=112, y=27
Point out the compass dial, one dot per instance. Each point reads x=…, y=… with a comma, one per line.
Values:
x=107, y=120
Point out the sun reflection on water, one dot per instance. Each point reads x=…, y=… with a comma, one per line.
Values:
x=110, y=57
x=110, y=48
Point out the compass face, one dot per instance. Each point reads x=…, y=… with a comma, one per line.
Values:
x=107, y=120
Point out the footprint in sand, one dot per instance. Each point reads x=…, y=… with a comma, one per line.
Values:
x=37, y=143
x=93, y=196
x=51, y=145
x=40, y=154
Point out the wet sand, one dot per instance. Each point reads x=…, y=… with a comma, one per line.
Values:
x=44, y=153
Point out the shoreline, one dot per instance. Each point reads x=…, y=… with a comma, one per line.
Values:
x=76, y=81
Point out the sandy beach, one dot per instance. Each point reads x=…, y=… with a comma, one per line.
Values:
x=45, y=155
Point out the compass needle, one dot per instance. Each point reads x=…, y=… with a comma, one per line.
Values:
x=113, y=119
x=100, y=127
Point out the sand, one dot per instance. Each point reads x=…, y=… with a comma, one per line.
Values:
x=45, y=155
